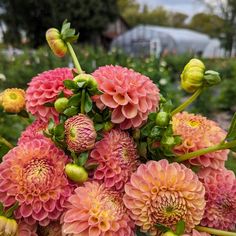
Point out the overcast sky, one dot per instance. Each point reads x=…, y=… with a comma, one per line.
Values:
x=189, y=7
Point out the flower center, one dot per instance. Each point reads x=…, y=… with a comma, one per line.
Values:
x=193, y=123
x=13, y=96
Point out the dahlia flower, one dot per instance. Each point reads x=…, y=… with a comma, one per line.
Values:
x=220, y=211
x=45, y=88
x=197, y=233
x=33, y=175
x=130, y=95
x=80, y=133
x=25, y=229
x=159, y=192
x=198, y=132
x=13, y=100
x=95, y=210
x=117, y=157
x=33, y=131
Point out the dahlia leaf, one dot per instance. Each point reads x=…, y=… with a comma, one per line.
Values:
x=152, y=116
x=180, y=227
x=97, y=118
x=167, y=106
x=59, y=131
x=51, y=125
x=232, y=129
x=88, y=103
x=83, y=157
x=3, y=150
x=61, y=95
x=70, y=84
x=74, y=100
x=23, y=113
x=71, y=111
x=162, y=228
x=91, y=166
x=142, y=149
x=155, y=132
x=98, y=127
x=146, y=129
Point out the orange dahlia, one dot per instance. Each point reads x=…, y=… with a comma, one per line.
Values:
x=35, y=130
x=95, y=210
x=80, y=133
x=33, y=175
x=159, y=192
x=13, y=100
x=198, y=132
x=45, y=88
x=130, y=95
x=220, y=197
x=117, y=157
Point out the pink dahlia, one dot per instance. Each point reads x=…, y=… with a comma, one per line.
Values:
x=33, y=131
x=45, y=88
x=220, y=197
x=95, y=210
x=80, y=133
x=117, y=157
x=130, y=95
x=33, y=175
x=197, y=233
x=159, y=192
x=198, y=132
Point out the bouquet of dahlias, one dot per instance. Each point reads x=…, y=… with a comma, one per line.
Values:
x=108, y=155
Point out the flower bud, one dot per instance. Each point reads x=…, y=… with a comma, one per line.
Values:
x=169, y=233
x=57, y=45
x=162, y=119
x=212, y=78
x=8, y=227
x=61, y=104
x=192, y=76
x=13, y=100
x=91, y=81
x=76, y=173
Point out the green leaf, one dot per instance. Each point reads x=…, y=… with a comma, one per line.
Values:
x=180, y=227
x=146, y=129
x=74, y=100
x=139, y=233
x=83, y=157
x=23, y=113
x=152, y=116
x=51, y=125
x=59, y=130
x=98, y=127
x=3, y=150
x=70, y=84
x=142, y=149
x=97, y=118
x=155, y=132
x=61, y=95
x=62, y=118
x=162, y=228
x=88, y=105
x=167, y=106
x=81, y=84
x=232, y=129
x=91, y=166
x=73, y=38
x=71, y=111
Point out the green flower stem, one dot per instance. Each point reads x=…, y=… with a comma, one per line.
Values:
x=5, y=142
x=200, y=152
x=82, y=102
x=10, y=211
x=215, y=231
x=74, y=58
x=187, y=102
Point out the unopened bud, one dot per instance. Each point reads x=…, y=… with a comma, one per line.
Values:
x=89, y=79
x=61, y=104
x=76, y=173
x=212, y=78
x=57, y=45
x=169, y=233
x=162, y=119
x=8, y=227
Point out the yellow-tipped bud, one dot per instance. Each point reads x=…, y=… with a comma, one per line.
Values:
x=192, y=77
x=8, y=227
x=55, y=42
x=13, y=100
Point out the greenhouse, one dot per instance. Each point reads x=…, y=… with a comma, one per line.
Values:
x=147, y=40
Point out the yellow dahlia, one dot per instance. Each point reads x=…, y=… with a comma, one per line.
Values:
x=96, y=211
x=33, y=175
x=13, y=100
x=198, y=132
x=159, y=192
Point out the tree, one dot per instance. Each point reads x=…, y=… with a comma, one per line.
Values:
x=210, y=24
x=89, y=17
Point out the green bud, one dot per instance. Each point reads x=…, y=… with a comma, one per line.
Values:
x=162, y=119
x=212, y=78
x=76, y=173
x=61, y=104
x=169, y=233
x=89, y=79
x=57, y=45
x=192, y=76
